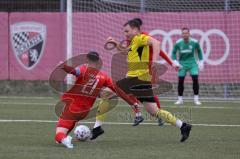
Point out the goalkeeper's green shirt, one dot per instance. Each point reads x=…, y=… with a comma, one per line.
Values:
x=187, y=52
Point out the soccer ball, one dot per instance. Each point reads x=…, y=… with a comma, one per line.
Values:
x=82, y=132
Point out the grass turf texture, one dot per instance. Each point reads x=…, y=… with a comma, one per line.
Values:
x=35, y=139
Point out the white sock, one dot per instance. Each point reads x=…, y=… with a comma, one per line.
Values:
x=179, y=123
x=138, y=114
x=98, y=123
x=196, y=98
x=180, y=98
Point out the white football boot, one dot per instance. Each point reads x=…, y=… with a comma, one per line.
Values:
x=67, y=142
x=179, y=101
x=196, y=100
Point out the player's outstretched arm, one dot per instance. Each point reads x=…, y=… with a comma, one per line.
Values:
x=70, y=70
x=116, y=44
x=174, y=57
x=131, y=100
x=200, y=57
x=165, y=57
x=156, y=47
x=174, y=52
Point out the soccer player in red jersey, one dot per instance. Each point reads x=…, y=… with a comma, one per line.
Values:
x=81, y=97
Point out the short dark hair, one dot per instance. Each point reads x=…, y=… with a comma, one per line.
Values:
x=186, y=28
x=93, y=56
x=136, y=22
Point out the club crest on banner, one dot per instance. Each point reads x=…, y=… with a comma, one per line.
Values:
x=28, y=40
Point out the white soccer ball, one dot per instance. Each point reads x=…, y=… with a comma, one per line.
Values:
x=82, y=132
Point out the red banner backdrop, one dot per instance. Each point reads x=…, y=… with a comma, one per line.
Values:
x=25, y=35
x=3, y=46
x=218, y=33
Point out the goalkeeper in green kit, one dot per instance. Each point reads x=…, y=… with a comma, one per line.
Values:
x=189, y=51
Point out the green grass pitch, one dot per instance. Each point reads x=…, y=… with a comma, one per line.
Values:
x=27, y=128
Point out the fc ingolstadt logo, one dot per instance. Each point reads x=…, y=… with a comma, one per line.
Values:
x=28, y=39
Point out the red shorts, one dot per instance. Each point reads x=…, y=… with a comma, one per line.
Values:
x=74, y=111
x=68, y=124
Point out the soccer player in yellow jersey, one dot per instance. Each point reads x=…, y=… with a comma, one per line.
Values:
x=138, y=78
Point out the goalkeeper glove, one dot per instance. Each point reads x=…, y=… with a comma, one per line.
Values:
x=176, y=64
x=201, y=65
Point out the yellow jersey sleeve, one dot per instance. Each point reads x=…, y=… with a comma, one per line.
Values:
x=141, y=40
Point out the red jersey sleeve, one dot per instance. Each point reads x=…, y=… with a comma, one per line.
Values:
x=71, y=70
x=165, y=57
x=109, y=83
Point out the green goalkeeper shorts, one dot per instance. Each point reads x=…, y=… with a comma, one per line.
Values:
x=193, y=70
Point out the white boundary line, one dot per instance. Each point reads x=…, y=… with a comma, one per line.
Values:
x=161, y=99
x=28, y=103
x=125, y=105
x=24, y=97
x=113, y=123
